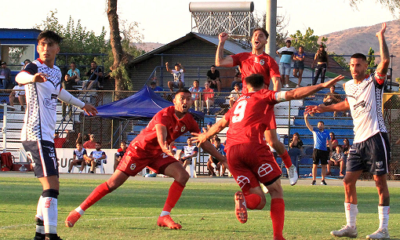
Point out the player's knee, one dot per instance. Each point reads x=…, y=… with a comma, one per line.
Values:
x=255, y=201
x=182, y=177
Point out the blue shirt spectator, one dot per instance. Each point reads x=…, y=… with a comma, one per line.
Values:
x=320, y=138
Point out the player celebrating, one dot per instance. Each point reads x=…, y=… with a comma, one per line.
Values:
x=258, y=62
x=370, y=150
x=42, y=80
x=249, y=158
x=151, y=148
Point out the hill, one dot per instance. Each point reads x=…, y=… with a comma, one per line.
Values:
x=148, y=46
x=360, y=39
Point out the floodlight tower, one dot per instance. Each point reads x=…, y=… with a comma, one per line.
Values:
x=271, y=27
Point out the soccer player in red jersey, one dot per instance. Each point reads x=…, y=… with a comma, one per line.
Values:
x=249, y=158
x=258, y=62
x=151, y=148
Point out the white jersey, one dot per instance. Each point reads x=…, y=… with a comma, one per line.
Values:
x=178, y=75
x=189, y=150
x=365, y=100
x=41, y=101
x=79, y=154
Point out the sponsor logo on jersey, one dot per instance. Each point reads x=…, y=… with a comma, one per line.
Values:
x=262, y=62
x=242, y=181
x=265, y=169
x=133, y=166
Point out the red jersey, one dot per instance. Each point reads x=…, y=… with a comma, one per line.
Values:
x=208, y=93
x=252, y=64
x=59, y=142
x=89, y=144
x=250, y=116
x=147, y=139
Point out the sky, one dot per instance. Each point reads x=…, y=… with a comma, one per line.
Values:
x=165, y=21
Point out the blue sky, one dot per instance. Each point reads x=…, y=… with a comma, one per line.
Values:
x=164, y=21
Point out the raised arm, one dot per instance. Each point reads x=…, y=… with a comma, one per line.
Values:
x=385, y=58
x=307, y=122
x=183, y=69
x=167, y=68
x=220, y=60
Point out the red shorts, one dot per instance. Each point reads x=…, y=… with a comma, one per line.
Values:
x=252, y=163
x=136, y=159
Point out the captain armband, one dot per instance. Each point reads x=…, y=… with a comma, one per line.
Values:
x=280, y=96
x=380, y=76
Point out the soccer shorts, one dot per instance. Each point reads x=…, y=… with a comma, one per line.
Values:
x=251, y=163
x=320, y=156
x=43, y=154
x=135, y=160
x=372, y=155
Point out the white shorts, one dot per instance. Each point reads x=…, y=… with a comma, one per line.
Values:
x=19, y=93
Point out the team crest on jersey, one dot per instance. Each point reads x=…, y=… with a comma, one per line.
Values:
x=262, y=62
x=133, y=166
x=183, y=128
x=264, y=170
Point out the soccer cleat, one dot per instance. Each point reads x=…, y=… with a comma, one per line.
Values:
x=166, y=221
x=292, y=172
x=53, y=237
x=346, y=231
x=323, y=182
x=381, y=233
x=313, y=182
x=240, y=207
x=39, y=236
x=72, y=218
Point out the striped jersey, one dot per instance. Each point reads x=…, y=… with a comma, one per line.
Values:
x=365, y=100
x=41, y=101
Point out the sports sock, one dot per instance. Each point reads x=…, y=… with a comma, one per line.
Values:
x=39, y=217
x=383, y=216
x=175, y=192
x=49, y=210
x=351, y=214
x=277, y=213
x=98, y=193
x=286, y=159
x=252, y=200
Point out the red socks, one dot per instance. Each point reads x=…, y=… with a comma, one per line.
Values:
x=97, y=194
x=175, y=192
x=277, y=216
x=252, y=201
x=286, y=159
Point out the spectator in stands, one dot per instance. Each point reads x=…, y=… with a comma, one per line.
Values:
x=208, y=97
x=221, y=149
x=120, y=153
x=154, y=87
x=346, y=148
x=321, y=57
x=18, y=91
x=72, y=77
x=59, y=142
x=95, y=74
x=237, y=80
x=26, y=62
x=235, y=94
x=337, y=159
x=320, y=153
x=188, y=152
x=298, y=66
x=179, y=76
x=96, y=157
x=80, y=156
x=332, y=98
x=334, y=141
x=286, y=53
x=213, y=78
x=5, y=75
x=173, y=149
x=272, y=149
x=296, y=146
x=91, y=143
x=195, y=89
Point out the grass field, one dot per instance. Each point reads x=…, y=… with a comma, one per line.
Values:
x=205, y=210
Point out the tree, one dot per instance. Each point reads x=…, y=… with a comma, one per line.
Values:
x=392, y=5
x=371, y=61
x=309, y=41
x=281, y=24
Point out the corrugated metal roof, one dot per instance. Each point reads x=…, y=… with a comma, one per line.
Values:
x=230, y=46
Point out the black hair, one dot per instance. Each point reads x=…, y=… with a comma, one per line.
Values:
x=93, y=62
x=98, y=143
x=236, y=85
x=255, y=80
x=182, y=90
x=262, y=30
x=321, y=122
x=217, y=139
x=49, y=35
x=334, y=136
x=359, y=55
x=123, y=142
x=196, y=81
x=213, y=65
x=56, y=132
x=73, y=63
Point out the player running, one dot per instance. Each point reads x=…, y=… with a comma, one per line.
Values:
x=370, y=151
x=42, y=80
x=258, y=62
x=249, y=158
x=151, y=148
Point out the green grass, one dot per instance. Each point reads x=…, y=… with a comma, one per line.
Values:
x=205, y=210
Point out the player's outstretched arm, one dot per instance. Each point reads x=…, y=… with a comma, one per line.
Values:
x=220, y=60
x=208, y=147
x=66, y=97
x=216, y=128
x=162, y=132
x=385, y=58
x=303, y=92
x=338, y=107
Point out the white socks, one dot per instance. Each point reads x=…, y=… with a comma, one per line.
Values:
x=164, y=213
x=79, y=210
x=351, y=214
x=383, y=212
x=39, y=214
x=50, y=213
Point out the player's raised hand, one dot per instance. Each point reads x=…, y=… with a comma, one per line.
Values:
x=332, y=82
x=223, y=37
x=199, y=138
x=381, y=32
x=40, y=77
x=90, y=109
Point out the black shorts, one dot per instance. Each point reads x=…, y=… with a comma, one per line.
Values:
x=372, y=155
x=212, y=85
x=43, y=154
x=320, y=155
x=215, y=161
